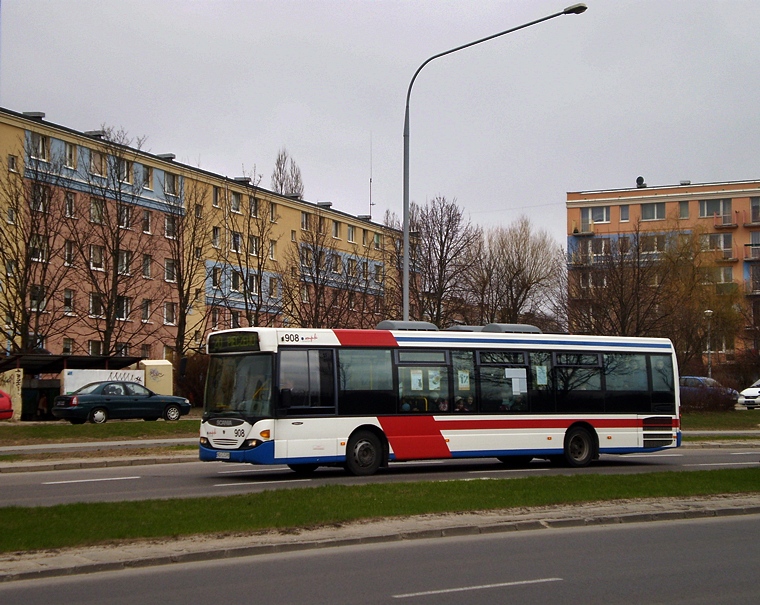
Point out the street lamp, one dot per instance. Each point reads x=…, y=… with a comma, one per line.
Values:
x=708, y=316
x=575, y=9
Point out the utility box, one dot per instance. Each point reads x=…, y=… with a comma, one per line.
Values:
x=71, y=380
x=159, y=375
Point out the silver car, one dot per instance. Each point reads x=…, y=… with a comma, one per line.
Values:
x=750, y=397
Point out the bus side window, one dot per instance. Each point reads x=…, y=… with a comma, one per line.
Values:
x=306, y=380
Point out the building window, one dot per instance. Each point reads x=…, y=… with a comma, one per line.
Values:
x=216, y=277
x=235, y=282
x=124, y=259
x=145, y=309
x=198, y=253
x=336, y=264
x=97, y=163
x=123, y=307
x=253, y=284
x=683, y=210
x=273, y=212
x=305, y=221
x=272, y=249
x=147, y=177
x=377, y=241
x=38, y=248
x=68, y=253
x=147, y=221
x=710, y=208
x=651, y=244
x=170, y=226
x=40, y=147
x=364, y=237
x=379, y=274
x=170, y=313
x=653, y=212
x=624, y=213
x=216, y=233
x=147, y=262
x=124, y=216
x=350, y=233
x=293, y=236
x=254, y=245
x=254, y=206
x=235, y=240
x=273, y=284
x=145, y=351
x=12, y=163
x=68, y=346
x=68, y=301
x=97, y=255
x=198, y=211
x=95, y=348
x=10, y=216
x=336, y=229
x=235, y=200
x=40, y=198
x=69, y=204
x=597, y=214
x=171, y=186
x=125, y=170
x=122, y=349
x=216, y=196
x=37, y=298
x=170, y=270
x=97, y=207
x=96, y=305
x=70, y=156
x=214, y=319
x=234, y=319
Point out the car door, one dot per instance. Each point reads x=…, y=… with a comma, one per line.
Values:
x=142, y=404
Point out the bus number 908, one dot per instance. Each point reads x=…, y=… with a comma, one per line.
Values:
x=290, y=338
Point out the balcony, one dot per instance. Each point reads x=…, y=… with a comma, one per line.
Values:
x=725, y=221
x=751, y=218
x=583, y=228
x=751, y=252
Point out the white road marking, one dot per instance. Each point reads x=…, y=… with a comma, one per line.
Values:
x=251, y=470
x=260, y=483
x=514, y=470
x=89, y=480
x=743, y=453
x=481, y=587
x=723, y=464
x=652, y=456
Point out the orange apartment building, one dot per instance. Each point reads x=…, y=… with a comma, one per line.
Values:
x=725, y=215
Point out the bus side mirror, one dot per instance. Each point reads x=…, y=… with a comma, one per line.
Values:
x=286, y=398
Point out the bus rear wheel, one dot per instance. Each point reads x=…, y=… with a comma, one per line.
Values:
x=364, y=454
x=579, y=447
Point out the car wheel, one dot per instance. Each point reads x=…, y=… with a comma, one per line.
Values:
x=579, y=447
x=98, y=415
x=76, y=421
x=172, y=412
x=364, y=454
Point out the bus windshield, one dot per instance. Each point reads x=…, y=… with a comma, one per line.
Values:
x=239, y=385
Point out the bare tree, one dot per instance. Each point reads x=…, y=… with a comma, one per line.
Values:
x=445, y=238
x=110, y=242
x=33, y=248
x=286, y=176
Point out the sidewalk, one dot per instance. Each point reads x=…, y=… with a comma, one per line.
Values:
x=71, y=561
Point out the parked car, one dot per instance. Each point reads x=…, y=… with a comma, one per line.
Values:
x=99, y=401
x=750, y=397
x=6, y=406
x=699, y=393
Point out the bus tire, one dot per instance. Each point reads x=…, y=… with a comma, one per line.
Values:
x=580, y=448
x=364, y=454
x=303, y=469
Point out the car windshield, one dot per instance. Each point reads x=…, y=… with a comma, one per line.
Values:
x=755, y=384
x=88, y=388
x=239, y=385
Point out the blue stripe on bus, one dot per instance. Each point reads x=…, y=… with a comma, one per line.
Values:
x=520, y=341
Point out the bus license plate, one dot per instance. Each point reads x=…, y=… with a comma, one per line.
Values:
x=222, y=455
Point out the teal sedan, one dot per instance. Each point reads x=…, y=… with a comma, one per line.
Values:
x=98, y=402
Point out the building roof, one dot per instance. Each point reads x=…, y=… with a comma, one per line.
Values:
x=37, y=363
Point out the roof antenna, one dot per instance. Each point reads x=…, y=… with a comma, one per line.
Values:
x=370, y=176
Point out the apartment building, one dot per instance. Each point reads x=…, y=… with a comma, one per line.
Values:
x=725, y=217
x=111, y=250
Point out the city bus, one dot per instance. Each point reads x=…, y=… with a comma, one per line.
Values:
x=362, y=399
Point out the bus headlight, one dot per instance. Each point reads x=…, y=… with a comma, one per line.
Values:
x=204, y=441
x=253, y=443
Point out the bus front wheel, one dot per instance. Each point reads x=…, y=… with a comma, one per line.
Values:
x=579, y=447
x=364, y=454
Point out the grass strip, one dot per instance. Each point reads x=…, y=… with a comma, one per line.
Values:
x=63, y=432
x=103, y=522
x=735, y=420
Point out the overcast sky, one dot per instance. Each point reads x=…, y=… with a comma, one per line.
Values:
x=664, y=89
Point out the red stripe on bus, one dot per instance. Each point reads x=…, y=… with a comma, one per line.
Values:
x=414, y=437
x=462, y=424
x=365, y=338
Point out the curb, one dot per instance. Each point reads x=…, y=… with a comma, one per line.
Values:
x=424, y=534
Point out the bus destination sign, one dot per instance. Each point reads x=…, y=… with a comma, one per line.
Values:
x=233, y=341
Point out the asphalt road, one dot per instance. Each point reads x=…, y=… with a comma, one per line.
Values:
x=200, y=479
x=697, y=562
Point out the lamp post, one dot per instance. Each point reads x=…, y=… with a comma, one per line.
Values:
x=575, y=9
x=708, y=316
